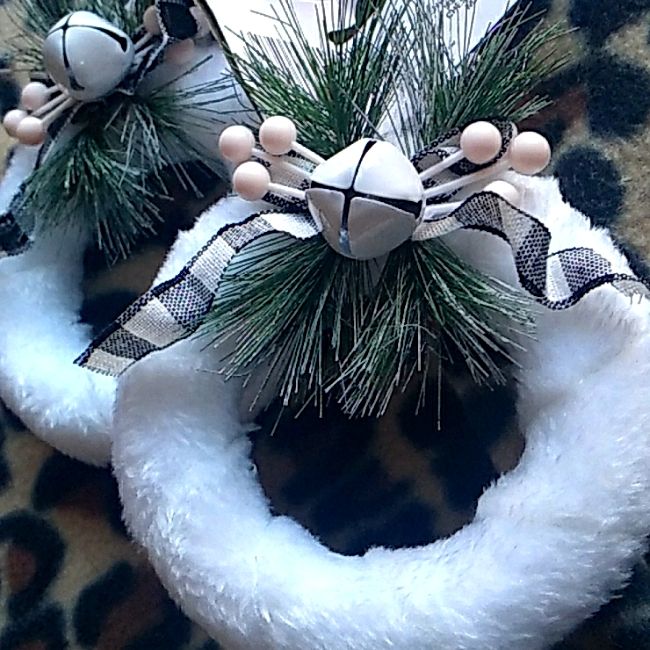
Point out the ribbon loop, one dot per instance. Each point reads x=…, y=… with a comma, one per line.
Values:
x=556, y=280
x=174, y=309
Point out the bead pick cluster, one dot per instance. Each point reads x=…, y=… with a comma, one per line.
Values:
x=277, y=136
x=369, y=198
x=529, y=153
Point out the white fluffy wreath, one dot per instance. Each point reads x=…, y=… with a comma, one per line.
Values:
x=550, y=542
x=40, y=300
x=40, y=336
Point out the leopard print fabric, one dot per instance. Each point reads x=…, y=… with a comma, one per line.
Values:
x=71, y=578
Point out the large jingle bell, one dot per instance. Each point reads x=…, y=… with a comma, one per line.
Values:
x=369, y=199
x=87, y=55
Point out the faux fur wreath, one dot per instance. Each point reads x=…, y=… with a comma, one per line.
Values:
x=41, y=297
x=549, y=544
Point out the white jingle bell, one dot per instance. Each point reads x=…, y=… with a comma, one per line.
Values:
x=369, y=199
x=87, y=55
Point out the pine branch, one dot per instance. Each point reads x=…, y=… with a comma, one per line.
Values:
x=430, y=304
x=448, y=85
x=319, y=324
x=298, y=306
x=338, y=92
x=112, y=174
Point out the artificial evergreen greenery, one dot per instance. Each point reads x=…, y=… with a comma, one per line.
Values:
x=337, y=93
x=111, y=173
x=447, y=85
x=320, y=324
x=323, y=325
x=396, y=71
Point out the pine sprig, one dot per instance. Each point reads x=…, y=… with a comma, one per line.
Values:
x=113, y=173
x=449, y=85
x=89, y=180
x=294, y=309
x=318, y=324
x=338, y=92
x=429, y=304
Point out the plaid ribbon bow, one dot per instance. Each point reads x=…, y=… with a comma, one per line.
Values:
x=174, y=309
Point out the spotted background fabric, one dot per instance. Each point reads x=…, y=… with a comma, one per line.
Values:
x=71, y=578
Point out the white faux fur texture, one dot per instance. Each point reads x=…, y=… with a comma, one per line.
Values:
x=40, y=336
x=550, y=542
x=40, y=298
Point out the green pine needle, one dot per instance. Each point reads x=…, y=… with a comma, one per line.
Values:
x=448, y=85
x=361, y=79
x=297, y=306
x=112, y=174
x=337, y=93
x=429, y=304
x=319, y=324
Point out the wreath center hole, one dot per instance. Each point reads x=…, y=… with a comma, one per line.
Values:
x=398, y=481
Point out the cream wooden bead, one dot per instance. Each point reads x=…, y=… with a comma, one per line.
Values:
x=481, y=142
x=530, y=153
x=11, y=121
x=180, y=53
x=236, y=144
x=34, y=95
x=277, y=135
x=31, y=131
x=151, y=22
x=505, y=190
x=251, y=181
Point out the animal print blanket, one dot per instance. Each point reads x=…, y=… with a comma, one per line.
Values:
x=71, y=578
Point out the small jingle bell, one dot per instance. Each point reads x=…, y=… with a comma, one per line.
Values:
x=87, y=55
x=369, y=199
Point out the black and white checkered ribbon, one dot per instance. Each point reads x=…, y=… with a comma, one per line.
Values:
x=174, y=309
x=12, y=235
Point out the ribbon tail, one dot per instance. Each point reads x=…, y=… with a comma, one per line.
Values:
x=13, y=238
x=558, y=280
x=174, y=309
x=176, y=18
